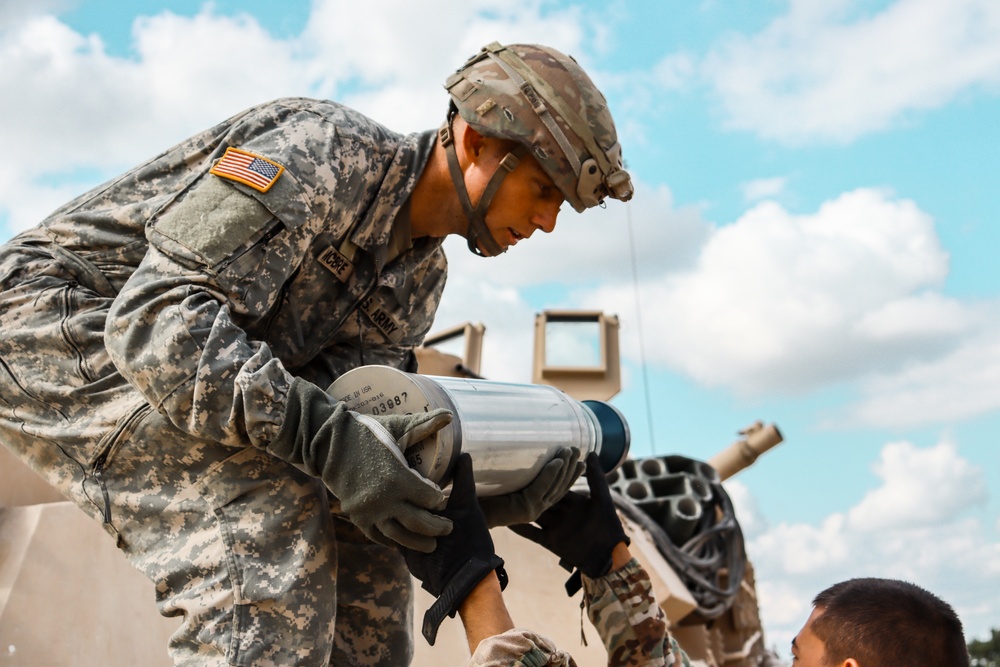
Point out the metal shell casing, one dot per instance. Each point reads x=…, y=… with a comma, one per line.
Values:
x=510, y=430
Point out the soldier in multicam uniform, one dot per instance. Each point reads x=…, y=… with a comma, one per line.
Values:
x=164, y=339
x=584, y=531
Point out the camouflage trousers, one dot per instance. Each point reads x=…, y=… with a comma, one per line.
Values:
x=246, y=548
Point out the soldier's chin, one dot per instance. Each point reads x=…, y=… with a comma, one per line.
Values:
x=483, y=252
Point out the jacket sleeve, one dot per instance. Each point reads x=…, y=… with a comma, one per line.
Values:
x=630, y=622
x=218, y=259
x=519, y=648
x=171, y=333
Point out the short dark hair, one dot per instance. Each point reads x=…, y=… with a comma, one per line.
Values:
x=888, y=623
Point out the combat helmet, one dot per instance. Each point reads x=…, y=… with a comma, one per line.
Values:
x=544, y=101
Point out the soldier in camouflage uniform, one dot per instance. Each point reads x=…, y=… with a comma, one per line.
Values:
x=621, y=607
x=584, y=531
x=164, y=339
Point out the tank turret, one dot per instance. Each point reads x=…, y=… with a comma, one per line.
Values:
x=675, y=509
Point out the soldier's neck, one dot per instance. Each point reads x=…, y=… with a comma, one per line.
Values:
x=434, y=207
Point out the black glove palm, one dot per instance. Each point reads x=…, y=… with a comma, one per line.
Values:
x=581, y=530
x=462, y=559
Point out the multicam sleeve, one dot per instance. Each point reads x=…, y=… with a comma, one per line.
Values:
x=630, y=622
x=519, y=648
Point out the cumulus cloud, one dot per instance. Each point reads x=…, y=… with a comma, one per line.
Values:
x=390, y=73
x=13, y=12
x=595, y=246
x=748, y=513
x=763, y=188
x=920, y=487
x=779, y=302
x=584, y=250
x=956, y=386
x=84, y=107
x=675, y=71
x=913, y=526
x=509, y=320
x=76, y=115
x=829, y=71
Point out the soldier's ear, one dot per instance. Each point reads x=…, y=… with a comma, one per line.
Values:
x=473, y=143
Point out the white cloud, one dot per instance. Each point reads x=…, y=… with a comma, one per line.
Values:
x=912, y=527
x=390, y=74
x=594, y=246
x=752, y=521
x=78, y=106
x=923, y=314
x=956, y=386
x=674, y=71
x=508, y=343
x=800, y=548
x=829, y=71
x=921, y=487
x=77, y=115
x=763, y=188
x=13, y=12
x=774, y=301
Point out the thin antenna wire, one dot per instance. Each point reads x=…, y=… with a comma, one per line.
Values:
x=638, y=321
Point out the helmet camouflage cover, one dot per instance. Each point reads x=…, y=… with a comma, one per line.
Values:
x=543, y=100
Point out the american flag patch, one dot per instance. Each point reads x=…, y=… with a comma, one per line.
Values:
x=257, y=172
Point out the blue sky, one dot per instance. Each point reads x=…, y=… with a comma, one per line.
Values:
x=815, y=228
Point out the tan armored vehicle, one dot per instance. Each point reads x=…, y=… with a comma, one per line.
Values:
x=674, y=509
x=67, y=596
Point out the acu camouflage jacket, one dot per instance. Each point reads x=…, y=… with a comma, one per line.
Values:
x=251, y=252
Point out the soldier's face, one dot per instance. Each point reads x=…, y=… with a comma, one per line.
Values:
x=527, y=201
x=808, y=650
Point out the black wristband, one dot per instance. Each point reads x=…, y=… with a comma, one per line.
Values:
x=457, y=589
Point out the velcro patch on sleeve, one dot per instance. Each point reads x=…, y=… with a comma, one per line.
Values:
x=253, y=170
x=214, y=219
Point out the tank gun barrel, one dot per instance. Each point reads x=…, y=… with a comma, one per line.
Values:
x=758, y=438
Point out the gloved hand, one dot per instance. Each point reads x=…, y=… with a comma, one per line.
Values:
x=462, y=558
x=551, y=484
x=582, y=530
x=359, y=458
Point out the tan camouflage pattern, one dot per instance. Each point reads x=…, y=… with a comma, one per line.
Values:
x=492, y=103
x=140, y=356
x=621, y=607
x=630, y=622
x=519, y=648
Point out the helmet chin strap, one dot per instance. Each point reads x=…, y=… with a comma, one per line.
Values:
x=478, y=235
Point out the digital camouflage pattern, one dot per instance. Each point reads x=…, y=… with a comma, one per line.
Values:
x=149, y=331
x=623, y=610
